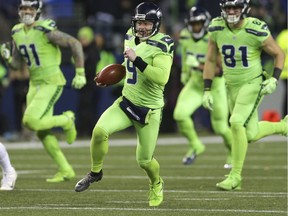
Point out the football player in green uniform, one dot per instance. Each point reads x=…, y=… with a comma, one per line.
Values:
x=240, y=40
x=148, y=59
x=194, y=44
x=37, y=43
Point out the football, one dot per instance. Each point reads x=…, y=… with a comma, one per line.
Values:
x=110, y=75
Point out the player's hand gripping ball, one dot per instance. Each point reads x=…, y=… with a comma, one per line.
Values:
x=110, y=75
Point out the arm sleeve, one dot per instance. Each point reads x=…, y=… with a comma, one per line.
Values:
x=159, y=71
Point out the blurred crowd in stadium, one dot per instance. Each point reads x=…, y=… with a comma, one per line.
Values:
x=105, y=24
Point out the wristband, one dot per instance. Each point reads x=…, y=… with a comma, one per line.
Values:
x=80, y=71
x=277, y=73
x=207, y=84
x=139, y=63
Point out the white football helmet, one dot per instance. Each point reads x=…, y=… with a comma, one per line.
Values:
x=29, y=19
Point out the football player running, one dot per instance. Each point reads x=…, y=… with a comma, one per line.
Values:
x=240, y=40
x=148, y=59
x=37, y=43
x=194, y=43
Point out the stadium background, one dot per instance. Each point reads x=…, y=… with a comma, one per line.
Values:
x=112, y=18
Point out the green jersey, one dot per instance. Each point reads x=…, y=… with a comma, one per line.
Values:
x=42, y=57
x=191, y=48
x=240, y=48
x=141, y=88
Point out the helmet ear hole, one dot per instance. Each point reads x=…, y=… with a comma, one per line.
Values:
x=147, y=11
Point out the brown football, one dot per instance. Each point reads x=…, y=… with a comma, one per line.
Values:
x=110, y=75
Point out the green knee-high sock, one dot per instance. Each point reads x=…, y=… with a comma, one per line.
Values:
x=186, y=128
x=268, y=128
x=239, y=148
x=227, y=138
x=152, y=169
x=51, y=145
x=98, y=149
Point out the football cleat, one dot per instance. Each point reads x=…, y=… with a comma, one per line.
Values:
x=232, y=182
x=192, y=154
x=85, y=182
x=187, y=160
x=155, y=196
x=8, y=181
x=62, y=176
x=70, y=129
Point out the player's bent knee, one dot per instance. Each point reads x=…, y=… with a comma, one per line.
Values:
x=236, y=120
x=251, y=135
x=144, y=164
x=220, y=128
x=178, y=115
x=30, y=123
x=99, y=135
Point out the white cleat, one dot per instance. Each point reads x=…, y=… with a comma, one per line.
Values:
x=227, y=166
x=8, y=181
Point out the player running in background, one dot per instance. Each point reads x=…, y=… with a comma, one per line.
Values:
x=37, y=42
x=194, y=44
x=240, y=41
x=148, y=60
x=8, y=171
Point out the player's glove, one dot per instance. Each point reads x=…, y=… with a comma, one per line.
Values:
x=6, y=51
x=192, y=61
x=79, y=80
x=207, y=100
x=269, y=86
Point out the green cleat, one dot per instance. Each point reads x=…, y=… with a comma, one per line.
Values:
x=70, y=129
x=232, y=182
x=62, y=176
x=156, y=193
x=285, y=121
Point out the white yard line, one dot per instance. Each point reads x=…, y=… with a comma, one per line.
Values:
x=132, y=142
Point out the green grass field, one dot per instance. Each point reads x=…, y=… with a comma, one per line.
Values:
x=189, y=190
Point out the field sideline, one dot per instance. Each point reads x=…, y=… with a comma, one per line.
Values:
x=189, y=190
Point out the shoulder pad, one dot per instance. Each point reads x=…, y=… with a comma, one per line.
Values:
x=129, y=34
x=217, y=24
x=45, y=25
x=17, y=28
x=257, y=27
x=165, y=43
x=185, y=34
